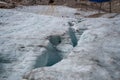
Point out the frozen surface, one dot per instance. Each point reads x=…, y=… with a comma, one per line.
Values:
x=24, y=37
x=26, y=43
x=58, y=11
x=96, y=56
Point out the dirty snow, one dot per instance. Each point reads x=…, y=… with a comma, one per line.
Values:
x=57, y=11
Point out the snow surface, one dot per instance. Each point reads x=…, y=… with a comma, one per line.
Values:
x=57, y=11
x=96, y=57
x=24, y=37
x=21, y=37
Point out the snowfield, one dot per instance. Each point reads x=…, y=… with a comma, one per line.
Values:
x=35, y=46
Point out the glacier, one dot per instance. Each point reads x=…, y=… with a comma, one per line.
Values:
x=39, y=46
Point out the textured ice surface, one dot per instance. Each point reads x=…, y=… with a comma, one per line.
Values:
x=26, y=43
x=24, y=37
x=96, y=57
